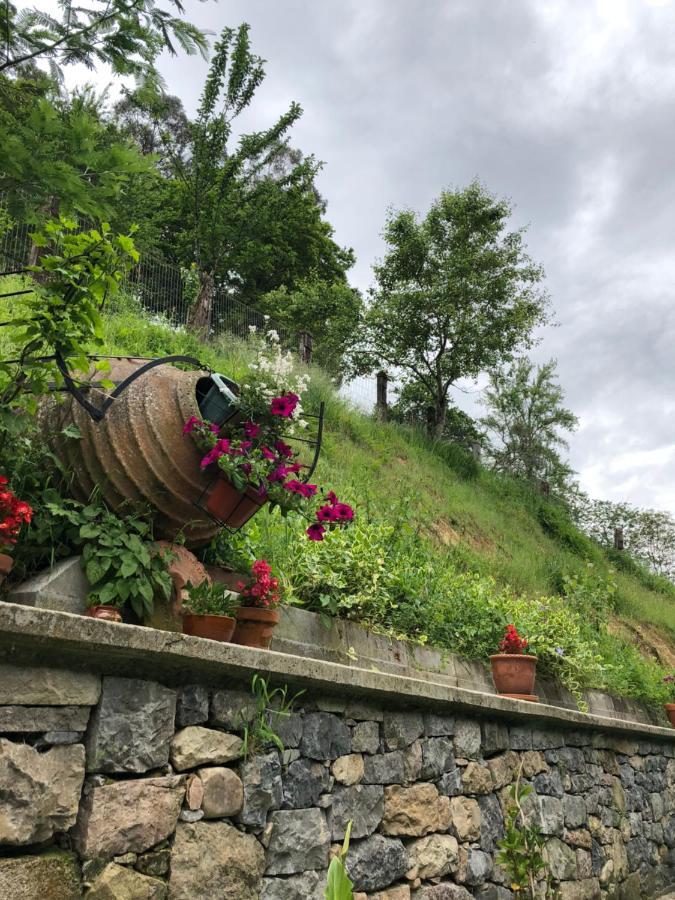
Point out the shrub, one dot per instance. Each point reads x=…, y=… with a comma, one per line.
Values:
x=556, y=523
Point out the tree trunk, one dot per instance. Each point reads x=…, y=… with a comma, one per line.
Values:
x=440, y=411
x=50, y=210
x=199, y=319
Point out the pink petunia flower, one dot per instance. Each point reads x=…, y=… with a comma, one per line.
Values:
x=326, y=514
x=343, y=512
x=251, y=430
x=267, y=453
x=191, y=424
x=283, y=449
x=331, y=496
x=285, y=405
x=315, y=532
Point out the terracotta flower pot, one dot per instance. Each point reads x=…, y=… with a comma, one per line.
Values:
x=215, y=628
x=232, y=507
x=255, y=626
x=108, y=613
x=6, y=563
x=670, y=712
x=513, y=673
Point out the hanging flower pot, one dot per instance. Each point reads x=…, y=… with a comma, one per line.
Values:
x=231, y=507
x=215, y=628
x=6, y=563
x=255, y=626
x=107, y=613
x=670, y=712
x=514, y=670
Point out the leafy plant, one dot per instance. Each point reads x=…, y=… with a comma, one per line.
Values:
x=339, y=887
x=14, y=514
x=210, y=599
x=121, y=562
x=60, y=317
x=261, y=589
x=521, y=848
x=273, y=704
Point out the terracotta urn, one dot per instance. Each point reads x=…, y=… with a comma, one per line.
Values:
x=107, y=613
x=255, y=626
x=137, y=455
x=6, y=563
x=670, y=712
x=215, y=628
x=514, y=673
x=231, y=507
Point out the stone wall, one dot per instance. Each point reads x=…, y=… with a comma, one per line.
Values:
x=122, y=787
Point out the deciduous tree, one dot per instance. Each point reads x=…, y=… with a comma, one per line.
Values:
x=456, y=295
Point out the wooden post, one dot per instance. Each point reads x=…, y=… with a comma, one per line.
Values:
x=305, y=349
x=545, y=488
x=431, y=421
x=381, y=405
x=618, y=538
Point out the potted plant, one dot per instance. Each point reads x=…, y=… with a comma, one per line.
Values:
x=669, y=682
x=209, y=610
x=258, y=614
x=109, y=612
x=513, y=668
x=251, y=458
x=14, y=514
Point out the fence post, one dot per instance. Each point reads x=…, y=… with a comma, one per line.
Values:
x=381, y=406
x=618, y=538
x=305, y=348
x=545, y=488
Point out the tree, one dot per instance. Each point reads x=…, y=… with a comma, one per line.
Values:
x=412, y=406
x=456, y=295
x=58, y=155
x=526, y=417
x=219, y=182
x=330, y=311
x=125, y=34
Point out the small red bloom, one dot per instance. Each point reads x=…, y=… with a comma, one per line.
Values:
x=315, y=532
x=285, y=405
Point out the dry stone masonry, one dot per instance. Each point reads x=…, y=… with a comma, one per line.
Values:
x=115, y=787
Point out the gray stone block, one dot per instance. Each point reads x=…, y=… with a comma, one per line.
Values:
x=362, y=804
x=63, y=588
x=33, y=719
x=376, y=862
x=261, y=777
x=192, y=705
x=325, y=736
x=298, y=840
x=43, y=686
x=303, y=783
x=131, y=727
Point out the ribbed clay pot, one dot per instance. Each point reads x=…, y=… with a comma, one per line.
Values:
x=232, y=507
x=138, y=454
x=255, y=627
x=108, y=613
x=215, y=628
x=6, y=563
x=670, y=712
x=513, y=673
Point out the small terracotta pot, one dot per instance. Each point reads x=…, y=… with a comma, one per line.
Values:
x=513, y=673
x=108, y=613
x=232, y=507
x=670, y=712
x=255, y=626
x=6, y=563
x=215, y=628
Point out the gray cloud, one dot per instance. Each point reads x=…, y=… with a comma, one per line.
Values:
x=564, y=106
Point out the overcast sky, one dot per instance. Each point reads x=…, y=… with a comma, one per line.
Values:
x=568, y=108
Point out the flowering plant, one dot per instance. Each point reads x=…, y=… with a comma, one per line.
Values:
x=262, y=589
x=252, y=451
x=14, y=513
x=512, y=643
x=669, y=682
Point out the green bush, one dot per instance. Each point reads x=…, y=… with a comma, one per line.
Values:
x=555, y=521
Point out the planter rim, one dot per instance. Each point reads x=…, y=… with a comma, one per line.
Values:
x=189, y=615
x=6, y=562
x=258, y=613
x=669, y=705
x=528, y=656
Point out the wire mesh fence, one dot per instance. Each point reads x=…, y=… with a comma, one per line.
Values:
x=161, y=289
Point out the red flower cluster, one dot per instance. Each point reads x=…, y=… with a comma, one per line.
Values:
x=262, y=590
x=330, y=514
x=14, y=513
x=512, y=641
